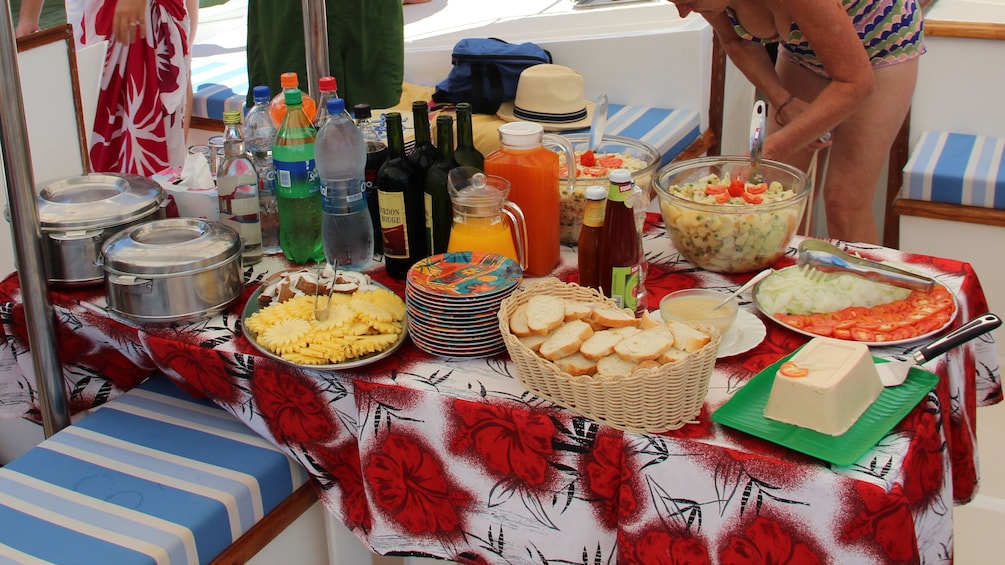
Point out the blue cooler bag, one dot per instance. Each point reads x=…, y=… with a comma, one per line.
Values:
x=486, y=72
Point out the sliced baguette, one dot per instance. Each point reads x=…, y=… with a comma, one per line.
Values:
x=646, y=345
x=649, y=321
x=577, y=310
x=577, y=365
x=518, y=321
x=687, y=338
x=533, y=341
x=545, y=313
x=673, y=355
x=600, y=344
x=611, y=317
x=614, y=366
x=566, y=340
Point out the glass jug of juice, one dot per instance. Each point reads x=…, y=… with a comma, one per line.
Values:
x=479, y=203
x=532, y=170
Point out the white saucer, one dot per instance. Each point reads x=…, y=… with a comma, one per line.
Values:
x=746, y=332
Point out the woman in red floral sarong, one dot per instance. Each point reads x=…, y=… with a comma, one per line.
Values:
x=138, y=126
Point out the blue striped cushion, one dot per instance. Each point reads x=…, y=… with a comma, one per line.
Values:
x=669, y=131
x=957, y=168
x=153, y=476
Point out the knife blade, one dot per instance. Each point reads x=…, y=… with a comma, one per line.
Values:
x=895, y=372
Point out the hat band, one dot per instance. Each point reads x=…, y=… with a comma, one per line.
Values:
x=532, y=116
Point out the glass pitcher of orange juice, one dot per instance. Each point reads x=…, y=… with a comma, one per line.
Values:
x=479, y=203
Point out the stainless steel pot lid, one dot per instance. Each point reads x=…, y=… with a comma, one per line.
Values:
x=174, y=246
x=97, y=201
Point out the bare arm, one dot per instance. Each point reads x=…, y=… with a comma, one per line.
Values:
x=827, y=27
x=27, y=19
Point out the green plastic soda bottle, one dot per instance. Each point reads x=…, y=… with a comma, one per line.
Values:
x=298, y=187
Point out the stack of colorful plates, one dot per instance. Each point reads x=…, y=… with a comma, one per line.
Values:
x=453, y=300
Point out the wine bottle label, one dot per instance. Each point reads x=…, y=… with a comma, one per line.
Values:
x=393, y=227
x=625, y=286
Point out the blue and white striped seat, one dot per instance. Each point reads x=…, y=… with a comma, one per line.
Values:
x=154, y=476
x=956, y=168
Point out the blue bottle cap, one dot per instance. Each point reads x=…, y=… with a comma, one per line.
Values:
x=336, y=106
x=260, y=93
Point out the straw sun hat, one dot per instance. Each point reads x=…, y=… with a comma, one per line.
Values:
x=550, y=95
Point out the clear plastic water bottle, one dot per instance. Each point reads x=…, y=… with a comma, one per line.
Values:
x=346, y=226
x=237, y=187
x=259, y=137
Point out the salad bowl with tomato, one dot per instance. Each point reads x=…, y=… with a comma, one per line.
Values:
x=723, y=223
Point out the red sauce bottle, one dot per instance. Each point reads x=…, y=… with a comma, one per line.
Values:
x=619, y=267
x=588, y=249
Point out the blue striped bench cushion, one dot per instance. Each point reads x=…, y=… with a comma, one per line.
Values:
x=956, y=168
x=153, y=476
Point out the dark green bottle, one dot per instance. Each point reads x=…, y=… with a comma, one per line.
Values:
x=399, y=195
x=439, y=212
x=466, y=154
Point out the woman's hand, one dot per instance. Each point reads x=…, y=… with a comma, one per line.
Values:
x=129, y=23
x=788, y=111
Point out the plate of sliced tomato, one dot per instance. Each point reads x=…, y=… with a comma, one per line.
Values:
x=921, y=315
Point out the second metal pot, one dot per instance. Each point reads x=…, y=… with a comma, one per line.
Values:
x=174, y=270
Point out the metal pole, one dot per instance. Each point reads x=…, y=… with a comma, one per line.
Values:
x=315, y=44
x=27, y=235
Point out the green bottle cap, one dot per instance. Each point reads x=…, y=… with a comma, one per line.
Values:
x=293, y=97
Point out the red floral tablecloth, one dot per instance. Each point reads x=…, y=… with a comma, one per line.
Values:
x=454, y=458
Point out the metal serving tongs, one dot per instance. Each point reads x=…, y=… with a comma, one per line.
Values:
x=756, y=141
x=321, y=314
x=822, y=257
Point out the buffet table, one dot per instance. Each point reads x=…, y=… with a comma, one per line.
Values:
x=453, y=458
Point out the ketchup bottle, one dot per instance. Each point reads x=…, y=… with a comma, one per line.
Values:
x=619, y=267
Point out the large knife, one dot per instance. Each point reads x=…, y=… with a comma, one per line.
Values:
x=894, y=372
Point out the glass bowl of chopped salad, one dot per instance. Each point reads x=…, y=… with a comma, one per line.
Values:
x=723, y=223
x=592, y=167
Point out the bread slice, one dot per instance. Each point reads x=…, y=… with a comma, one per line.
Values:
x=533, y=341
x=645, y=345
x=600, y=344
x=566, y=340
x=545, y=313
x=611, y=317
x=614, y=366
x=673, y=355
x=518, y=321
x=578, y=310
x=687, y=338
x=576, y=365
x=625, y=331
x=649, y=321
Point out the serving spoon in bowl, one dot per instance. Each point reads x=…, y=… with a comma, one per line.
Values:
x=757, y=118
x=753, y=280
x=599, y=123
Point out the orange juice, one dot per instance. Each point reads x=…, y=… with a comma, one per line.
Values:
x=490, y=237
x=532, y=171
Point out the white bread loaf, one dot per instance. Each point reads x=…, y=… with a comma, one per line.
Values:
x=566, y=340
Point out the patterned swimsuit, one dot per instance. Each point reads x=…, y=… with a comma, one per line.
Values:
x=890, y=30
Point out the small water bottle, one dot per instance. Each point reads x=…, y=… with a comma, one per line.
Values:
x=259, y=137
x=340, y=156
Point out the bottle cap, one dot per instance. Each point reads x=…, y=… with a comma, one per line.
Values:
x=596, y=192
x=231, y=117
x=327, y=83
x=293, y=97
x=336, y=106
x=521, y=135
x=621, y=176
x=289, y=80
x=261, y=93
x=361, y=111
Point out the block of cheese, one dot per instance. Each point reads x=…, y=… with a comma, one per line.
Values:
x=839, y=384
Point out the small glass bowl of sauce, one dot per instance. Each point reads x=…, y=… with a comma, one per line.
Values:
x=698, y=306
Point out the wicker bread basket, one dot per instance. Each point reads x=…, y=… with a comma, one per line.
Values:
x=650, y=400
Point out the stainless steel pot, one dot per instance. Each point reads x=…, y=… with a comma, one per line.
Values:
x=173, y=270
x=77, y=214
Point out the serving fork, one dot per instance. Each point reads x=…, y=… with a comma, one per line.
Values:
x=816, y=259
